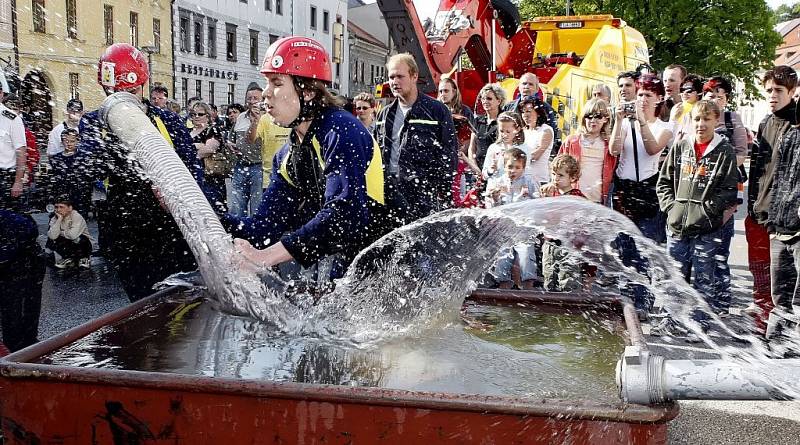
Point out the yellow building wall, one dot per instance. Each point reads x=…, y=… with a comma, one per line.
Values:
x=57, y=55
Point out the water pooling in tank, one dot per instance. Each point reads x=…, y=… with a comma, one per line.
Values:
x=516, y=352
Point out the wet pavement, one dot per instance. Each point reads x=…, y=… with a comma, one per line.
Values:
x=71, y=298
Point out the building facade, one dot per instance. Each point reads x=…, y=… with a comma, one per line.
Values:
x=219, y=46
x=326, y=22
x=369, y=17
x=788, y=52
x=368, y=57
x=7, y=55
x=60, y=42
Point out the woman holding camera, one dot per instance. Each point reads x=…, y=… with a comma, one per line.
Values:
x=637, y=139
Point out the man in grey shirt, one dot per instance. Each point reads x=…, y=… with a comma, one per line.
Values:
x=247, y=182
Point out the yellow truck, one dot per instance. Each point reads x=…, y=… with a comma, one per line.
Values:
x=569, y=54
x=573, y=54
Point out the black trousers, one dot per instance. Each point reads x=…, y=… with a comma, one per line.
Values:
x=70, y=249
x=21, y=299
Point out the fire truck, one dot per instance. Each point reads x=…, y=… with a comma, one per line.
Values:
x=482, y=41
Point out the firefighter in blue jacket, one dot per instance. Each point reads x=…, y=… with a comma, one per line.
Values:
x=142, y=240
x=326, y=192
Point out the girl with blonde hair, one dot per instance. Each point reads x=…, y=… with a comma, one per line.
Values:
x=590, y=148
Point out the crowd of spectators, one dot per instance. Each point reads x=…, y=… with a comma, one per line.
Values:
x=665, y=150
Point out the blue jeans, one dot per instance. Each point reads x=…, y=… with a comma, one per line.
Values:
x=723, y=271
x=630, y=256
x=697, y=257
x=527, y=263
x=654, y=227
x=248, y=185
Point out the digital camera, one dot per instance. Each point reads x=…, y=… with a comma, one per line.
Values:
x=628, y=107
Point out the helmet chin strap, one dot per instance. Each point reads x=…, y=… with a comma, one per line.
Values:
x=308, y=109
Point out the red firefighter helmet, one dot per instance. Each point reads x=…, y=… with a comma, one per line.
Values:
x=122, y=66
x=298, y=56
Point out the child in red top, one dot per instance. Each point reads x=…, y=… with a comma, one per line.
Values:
x=565, y=173
x=561, y=271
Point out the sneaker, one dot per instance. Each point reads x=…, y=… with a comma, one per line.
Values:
x=722, y=313
x=65, y=263
x=692, y=338
x=752, y=309
x=664, y=328
x=85, y=263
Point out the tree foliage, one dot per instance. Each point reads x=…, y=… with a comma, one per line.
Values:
x=785, y=12
x=734, y=38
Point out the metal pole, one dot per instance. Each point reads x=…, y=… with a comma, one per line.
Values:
x=494, y=41
x=568, y=7
x=493, y=71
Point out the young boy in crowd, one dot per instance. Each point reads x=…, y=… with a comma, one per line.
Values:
x=65, y=173
x=518, y=266
x=697, y=190
x=68, y=236
x=560, y=270
x=512, y=185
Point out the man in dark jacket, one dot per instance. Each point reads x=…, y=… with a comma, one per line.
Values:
x=144, y=242
x=783, y=224
x=780, y=83
x=22, y=269
x=419, y=145
x=697, y=188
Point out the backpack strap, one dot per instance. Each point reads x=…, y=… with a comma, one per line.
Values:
x=729, y=125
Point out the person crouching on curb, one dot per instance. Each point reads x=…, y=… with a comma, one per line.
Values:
x=69, y=237
x=697, y=190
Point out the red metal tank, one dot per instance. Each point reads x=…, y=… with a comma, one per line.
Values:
x=50, y=403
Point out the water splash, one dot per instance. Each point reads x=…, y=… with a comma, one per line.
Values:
x=236, y=289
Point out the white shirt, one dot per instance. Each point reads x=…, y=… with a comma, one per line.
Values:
x=496, y=153
x=70, y=227
x=12, y=138
x=54, y=145
x=592, y=156
x=540, y=168
x=648, y=164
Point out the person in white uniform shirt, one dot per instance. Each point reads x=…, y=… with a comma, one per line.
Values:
x=13, y=152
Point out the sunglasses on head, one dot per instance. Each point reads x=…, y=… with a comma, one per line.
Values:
x=197, y=114
x=785, y=75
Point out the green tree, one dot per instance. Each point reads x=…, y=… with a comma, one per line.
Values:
x=734, y=38
x=785, y=12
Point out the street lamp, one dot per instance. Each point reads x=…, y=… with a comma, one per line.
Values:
x=149, y=50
